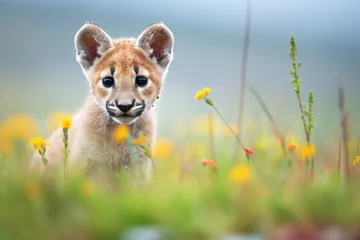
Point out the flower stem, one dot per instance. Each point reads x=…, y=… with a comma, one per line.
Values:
x=66, y=149
x=224, y=120
x=43, y=158
x=133, y=152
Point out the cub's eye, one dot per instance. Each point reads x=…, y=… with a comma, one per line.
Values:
x=141, y=81
x=108, y=82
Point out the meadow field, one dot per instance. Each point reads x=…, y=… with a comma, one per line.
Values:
x=207, y=184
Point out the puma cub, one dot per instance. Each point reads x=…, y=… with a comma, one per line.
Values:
x=125, y=78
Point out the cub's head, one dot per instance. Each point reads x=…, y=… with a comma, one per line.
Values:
x=125, y=75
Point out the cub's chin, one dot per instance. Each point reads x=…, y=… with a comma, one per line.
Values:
x=127, y=120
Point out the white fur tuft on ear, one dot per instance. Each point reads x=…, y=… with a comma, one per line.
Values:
x=91, y=42
x=157, y=41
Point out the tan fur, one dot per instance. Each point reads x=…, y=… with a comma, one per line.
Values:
x=91, y=141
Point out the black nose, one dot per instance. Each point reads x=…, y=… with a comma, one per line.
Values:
x=125, y=108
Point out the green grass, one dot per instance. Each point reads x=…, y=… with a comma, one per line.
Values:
x=202, y=205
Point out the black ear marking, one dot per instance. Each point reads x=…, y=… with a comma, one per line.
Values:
x=136, y=69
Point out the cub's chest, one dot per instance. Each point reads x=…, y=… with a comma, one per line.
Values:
x=107, y=151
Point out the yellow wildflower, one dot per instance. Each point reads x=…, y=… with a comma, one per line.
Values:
x=241, y=173
x=202, y=93
x=66, y=123
x=307, y=151
x=54, y=119
x=140, y=140
x=38, y=144
x=121, y=133
x=19, y=126
x=356, y=161
x=207, y=90
x=199, y=95
x=163, y=148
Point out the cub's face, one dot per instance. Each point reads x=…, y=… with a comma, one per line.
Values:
x=125, y=75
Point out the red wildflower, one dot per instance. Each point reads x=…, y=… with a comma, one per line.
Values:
x=208, y=162
x=292, y=146
x=211, y=163
x=248, y=151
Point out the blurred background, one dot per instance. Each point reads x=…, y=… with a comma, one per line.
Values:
x=39, y=73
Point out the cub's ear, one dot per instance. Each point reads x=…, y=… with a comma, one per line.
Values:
x=91, y=42
x=157, y=41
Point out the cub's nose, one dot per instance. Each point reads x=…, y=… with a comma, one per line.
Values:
x=125, y=108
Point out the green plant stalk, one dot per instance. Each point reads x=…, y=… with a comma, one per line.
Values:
x=247, y=158
x=291, y=160
x=43, y=158
x=134, y=159
x=309, y=114
x=66, y=149
x=148, y=154
x=310, y=123
x=297, y=84
x=209, y=102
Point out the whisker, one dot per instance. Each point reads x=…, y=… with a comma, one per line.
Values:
x=99, y=120
x=133, y=132
x=145, y=120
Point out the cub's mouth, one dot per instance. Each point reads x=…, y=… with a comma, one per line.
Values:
x=122, y=118
x=125, y=119
x=125, y=114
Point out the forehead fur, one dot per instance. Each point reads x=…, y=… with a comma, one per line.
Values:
x=124, y=56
